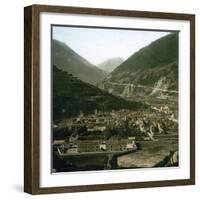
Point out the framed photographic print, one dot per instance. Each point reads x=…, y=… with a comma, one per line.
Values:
x=109, y=99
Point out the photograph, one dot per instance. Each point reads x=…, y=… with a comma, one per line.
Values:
x=114, y=98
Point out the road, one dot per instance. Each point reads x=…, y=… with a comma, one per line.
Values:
x=142, y=86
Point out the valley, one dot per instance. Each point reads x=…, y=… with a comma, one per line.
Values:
x=124, y=118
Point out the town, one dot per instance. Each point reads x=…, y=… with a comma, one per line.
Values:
x=115, y=131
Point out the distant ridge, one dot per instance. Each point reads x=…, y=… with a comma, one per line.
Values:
x=110, y=64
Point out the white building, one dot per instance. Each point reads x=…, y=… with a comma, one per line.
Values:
x=131, y=146
x=102, y=146
x=73, y=149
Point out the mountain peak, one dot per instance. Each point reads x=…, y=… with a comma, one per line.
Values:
x=110, y=64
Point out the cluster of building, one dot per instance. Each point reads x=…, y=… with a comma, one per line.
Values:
x=146, y=123
x=101, y=121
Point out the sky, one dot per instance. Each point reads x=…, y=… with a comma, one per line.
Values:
x=97, y=45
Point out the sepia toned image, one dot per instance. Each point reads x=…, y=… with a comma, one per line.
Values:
x=114, y=98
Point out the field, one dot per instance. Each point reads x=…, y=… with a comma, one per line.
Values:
x=86, y=162
x=152, y=154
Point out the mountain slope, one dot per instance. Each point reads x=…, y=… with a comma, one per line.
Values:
x=68, y=60
x=110, y=64
x=71, y=95
x=160, y=52
x=154, y=66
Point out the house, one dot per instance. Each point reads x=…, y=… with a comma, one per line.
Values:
x=146, y=138
x=90, y=128
x=131, y=146
x=100, y=128
x=103, y=146
x=58, y=142
x=73, y=149
x=131, y=138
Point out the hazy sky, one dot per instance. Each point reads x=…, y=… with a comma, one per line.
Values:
x=97, y=45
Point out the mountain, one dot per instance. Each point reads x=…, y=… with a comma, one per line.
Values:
x=71, y=95
x=68, y=60
x=153, y=70
x=110, y=64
